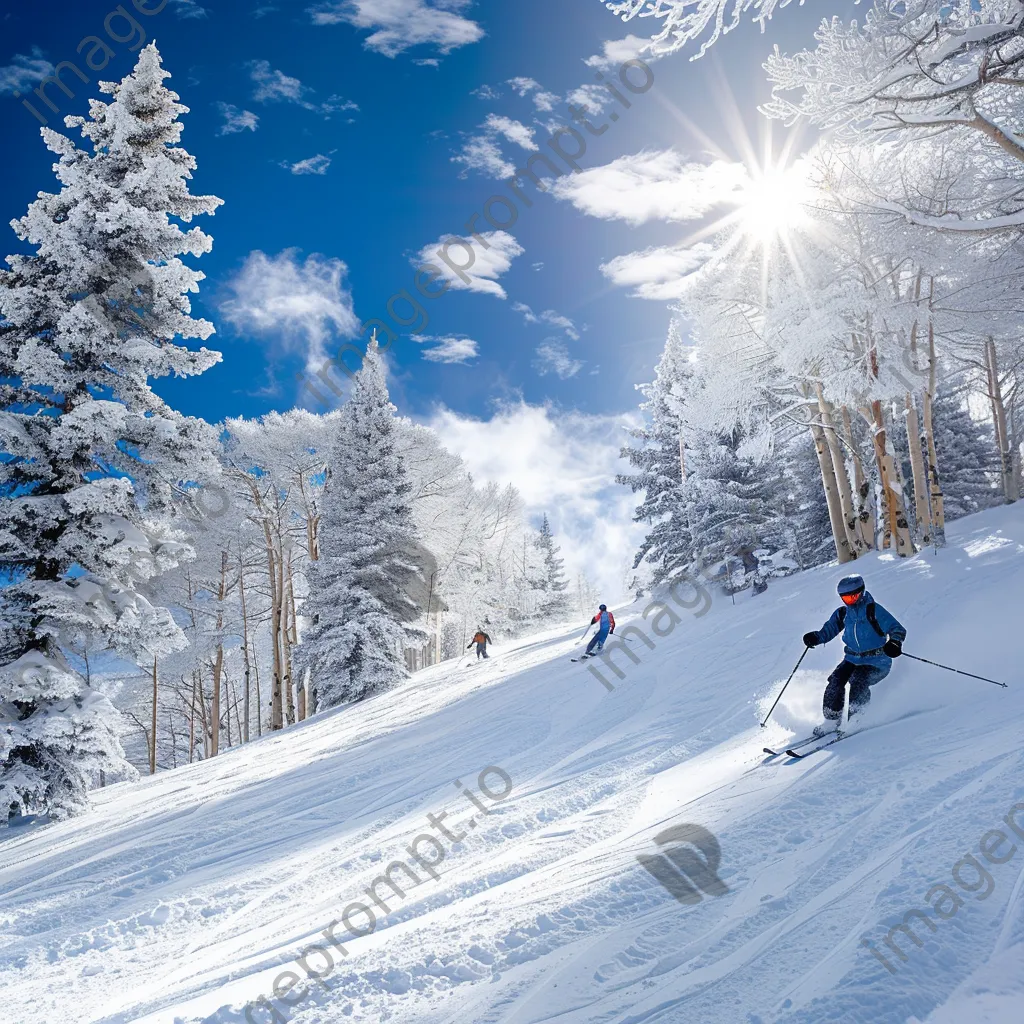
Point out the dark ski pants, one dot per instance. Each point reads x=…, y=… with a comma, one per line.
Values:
x=597, y=640
x=481, y=651
x=860, y=678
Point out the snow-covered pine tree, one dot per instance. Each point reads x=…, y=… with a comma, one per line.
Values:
x=658, y=459
x=551, y=580
x=734, y=506
x=358, y=606
x=806, y=508
x=969, y=460
x=92, y=457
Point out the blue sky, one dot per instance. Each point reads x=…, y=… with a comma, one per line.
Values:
x=344, y=145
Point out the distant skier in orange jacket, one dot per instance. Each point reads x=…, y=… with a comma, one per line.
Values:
x=481, y=639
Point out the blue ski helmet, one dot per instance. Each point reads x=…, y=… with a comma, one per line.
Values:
x=603, y=608
x=850, y=585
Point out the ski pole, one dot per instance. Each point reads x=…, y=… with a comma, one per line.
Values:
x=585, y=632
x=783, y=690
x=958, y=671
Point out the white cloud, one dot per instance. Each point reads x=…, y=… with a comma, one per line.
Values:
x=399, y=24
x=511, y=129
x=549, y=316
x=450, y=348
x=311, y=165
x=274, y=86
x=236, y=120
x=658, y=185
x=542, y=99
x=592, y=98
x=297, y=305
x=483, y=153
x=480, y=265
x=616, y=51
x=427, y=62
x=553, y=357
x=485, y=92
x=564, y=464
x=189, y=9
x=24, y=72
x=657, y=273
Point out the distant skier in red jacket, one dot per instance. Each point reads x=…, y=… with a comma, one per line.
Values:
x=605, y=625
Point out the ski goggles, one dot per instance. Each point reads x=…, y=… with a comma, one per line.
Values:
x=853, y=598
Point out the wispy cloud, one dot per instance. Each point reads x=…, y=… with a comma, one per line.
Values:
x=274, y=86
x=658, y=273
x=652, y=185
x=398, y=25
x=553, y=357
x=449, y=348
x=296, y=305
x=482, y=152
x=485, y=92
x=189, y=9
x=615, y=51
x=549, y=316
x=482, y=264
x=236, y=120
x=24, y=72
x=542, y=99
x=311, y=165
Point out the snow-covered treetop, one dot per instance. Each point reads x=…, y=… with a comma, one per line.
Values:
x=684, y=21
x=924, y=65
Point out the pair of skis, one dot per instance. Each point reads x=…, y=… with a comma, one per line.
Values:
x=796, y=753
x=793, y=749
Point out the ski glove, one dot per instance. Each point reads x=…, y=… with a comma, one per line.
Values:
x=893, y=648
x=811, y=639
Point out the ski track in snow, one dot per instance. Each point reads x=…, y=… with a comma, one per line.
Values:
x=180, y=898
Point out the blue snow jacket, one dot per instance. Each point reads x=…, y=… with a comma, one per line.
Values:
x=862, y=641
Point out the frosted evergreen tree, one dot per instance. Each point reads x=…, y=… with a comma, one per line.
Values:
x=551, y=580
x=358, y=604
x=658, y=460
x=969, y=461
x=806, y=508
x=92, y=458
x=734, y=507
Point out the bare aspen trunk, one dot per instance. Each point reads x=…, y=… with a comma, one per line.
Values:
x=995, y=395
x=846, y=506
x=934, y=484
x=203, y=717
x=218, y=662
x=828, y=481
x=259, y=699
x=682, y=458
x=922, y=508
x=862, y=485
x=152, y=748
x=897, y=524
x=245, y=647
x=286, y=650
x=276, y=702
x=191, y=719
x=293, y=640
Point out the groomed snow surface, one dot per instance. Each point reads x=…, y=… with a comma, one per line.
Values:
x=185, y=897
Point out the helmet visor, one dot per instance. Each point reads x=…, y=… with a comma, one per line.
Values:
x=853, y=598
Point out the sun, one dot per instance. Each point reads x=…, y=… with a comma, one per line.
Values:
x=772, y=203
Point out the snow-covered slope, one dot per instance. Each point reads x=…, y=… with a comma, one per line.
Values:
x=184, y=897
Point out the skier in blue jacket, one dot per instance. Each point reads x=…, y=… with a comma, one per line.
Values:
x=872, y=637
